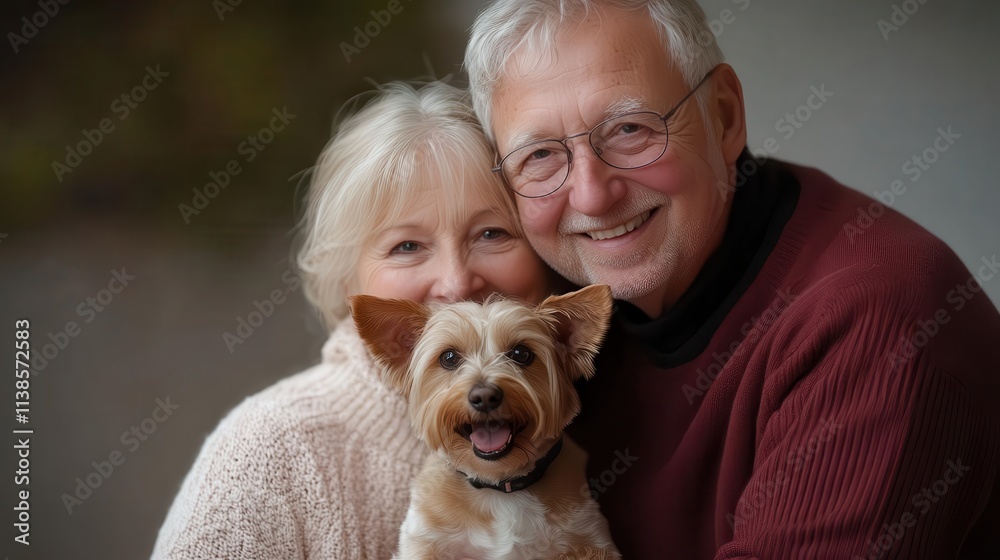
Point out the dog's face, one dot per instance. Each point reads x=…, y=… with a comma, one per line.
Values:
x=491, y=385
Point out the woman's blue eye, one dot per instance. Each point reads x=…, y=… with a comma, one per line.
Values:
x=494, y=234
x=406, y=247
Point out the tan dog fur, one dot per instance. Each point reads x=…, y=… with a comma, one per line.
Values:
x=448, y=518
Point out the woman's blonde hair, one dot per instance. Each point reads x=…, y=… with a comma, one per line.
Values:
x=404, y=140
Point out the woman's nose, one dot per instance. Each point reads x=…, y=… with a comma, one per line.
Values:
x=456, y=281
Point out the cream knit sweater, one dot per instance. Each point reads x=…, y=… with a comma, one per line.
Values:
x=316, y=466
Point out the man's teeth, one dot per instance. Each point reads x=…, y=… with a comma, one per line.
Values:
x=622, y=229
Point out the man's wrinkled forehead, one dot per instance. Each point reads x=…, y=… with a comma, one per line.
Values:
x=603, y=74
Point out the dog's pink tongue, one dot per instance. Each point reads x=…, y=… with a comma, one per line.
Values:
x=490, y=436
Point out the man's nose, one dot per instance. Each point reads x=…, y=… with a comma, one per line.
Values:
x=592, y=184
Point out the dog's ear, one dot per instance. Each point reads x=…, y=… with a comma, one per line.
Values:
x=581, y=319
x=390, y=329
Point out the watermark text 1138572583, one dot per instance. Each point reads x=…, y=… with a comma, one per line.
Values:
x=22, y=435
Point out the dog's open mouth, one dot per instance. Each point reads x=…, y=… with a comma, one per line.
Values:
x=491, y=439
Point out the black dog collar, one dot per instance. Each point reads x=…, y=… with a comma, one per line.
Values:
x=521, y=482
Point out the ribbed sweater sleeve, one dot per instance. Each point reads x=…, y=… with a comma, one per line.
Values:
x=248, y=493
x=842, y=401
x=316, y=466
x=872, y=448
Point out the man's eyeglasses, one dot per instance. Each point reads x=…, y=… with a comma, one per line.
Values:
x=628, y=141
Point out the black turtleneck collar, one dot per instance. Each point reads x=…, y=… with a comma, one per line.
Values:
x=761, y=206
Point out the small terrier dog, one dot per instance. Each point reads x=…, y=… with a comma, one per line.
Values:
x=490, y=390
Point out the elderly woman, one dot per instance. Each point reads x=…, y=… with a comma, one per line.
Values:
x=402, y=205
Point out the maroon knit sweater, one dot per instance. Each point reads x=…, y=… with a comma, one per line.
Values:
x=829, y=387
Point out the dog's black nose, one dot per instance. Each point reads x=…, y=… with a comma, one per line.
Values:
x=485, y=398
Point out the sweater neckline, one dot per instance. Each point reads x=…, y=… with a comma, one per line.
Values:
x=761, y=207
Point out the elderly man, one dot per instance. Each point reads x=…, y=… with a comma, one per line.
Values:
x=795, y=371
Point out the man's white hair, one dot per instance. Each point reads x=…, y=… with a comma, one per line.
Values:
x=506, y=26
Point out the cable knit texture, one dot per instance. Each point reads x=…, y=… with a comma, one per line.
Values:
x=316, y=466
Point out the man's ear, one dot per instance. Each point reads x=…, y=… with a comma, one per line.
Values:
x=728, y=113
x=390, y=329
x=581, y=320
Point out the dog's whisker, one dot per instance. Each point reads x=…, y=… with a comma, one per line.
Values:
x=528, y=455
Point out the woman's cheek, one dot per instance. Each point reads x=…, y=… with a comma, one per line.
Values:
x=520, y=273
x=393, y=282
x=541, y=215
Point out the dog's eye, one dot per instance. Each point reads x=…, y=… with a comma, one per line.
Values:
x=449, y=359
x=521, y=355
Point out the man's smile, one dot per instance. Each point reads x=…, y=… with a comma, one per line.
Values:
x=622, y=229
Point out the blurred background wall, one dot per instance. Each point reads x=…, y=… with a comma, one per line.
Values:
x=115, y=114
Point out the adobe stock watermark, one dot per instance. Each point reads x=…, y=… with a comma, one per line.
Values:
x=122, y=107
x=787, y=126
x=958, y=297
x=756, y=496
x=591, y=491
x=249, y=149
x=914, y=168
x=752, y=327
x=598, y=485
x=363, y=35
x=30, y=26
x=132, y=439
x=898, y=17
x=222, y=7
x=922, y=502
x=718, y=25
x=87, y=310
x=263, y=309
